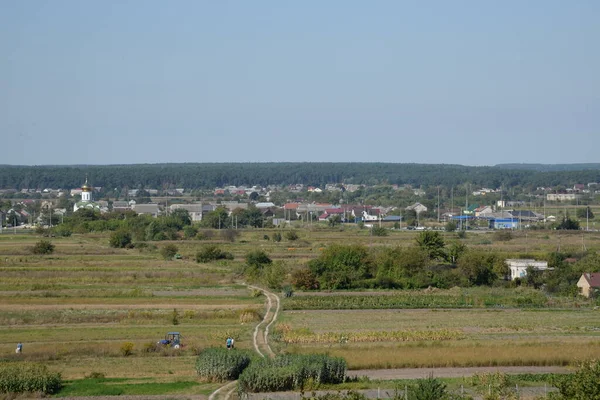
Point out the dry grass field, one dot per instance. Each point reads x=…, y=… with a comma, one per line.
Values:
x=75, y=309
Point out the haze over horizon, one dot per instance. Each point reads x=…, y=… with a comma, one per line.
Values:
x=463, y=82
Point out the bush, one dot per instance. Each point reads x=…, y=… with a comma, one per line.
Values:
x=212, y=253
x=43, y=247
x=120, y=239
x=189, y=232
x=220, y=364
x=127, y=349
x=62, y=230
x=169, y=251
x=503, y=235
x=292, y=372
x=276, y=237
x=229, y=234
x=584, y=384
x=26, y=377
x=379, y=231
x=291, y=236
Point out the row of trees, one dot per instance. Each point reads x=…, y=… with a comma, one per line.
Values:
x=430, y=262
x=211, y=175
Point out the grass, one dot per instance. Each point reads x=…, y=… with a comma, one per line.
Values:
x=125, y=386
x=74, y=309
x=476, y=337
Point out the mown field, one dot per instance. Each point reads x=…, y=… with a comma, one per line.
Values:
x=75, y=309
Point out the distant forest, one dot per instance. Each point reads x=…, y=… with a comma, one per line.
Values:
x=211, y=175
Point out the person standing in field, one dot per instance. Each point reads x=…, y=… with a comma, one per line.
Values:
x=228, y=343
x=19, y=348
x=232, y=340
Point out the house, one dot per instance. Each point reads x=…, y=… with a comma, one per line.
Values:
x=503, y=223
x=194, y=210
x=147, y=209
x=589, y=284
x=120, y=206
x=525, y=215
x=417, y=207
x=562, y=196
x=483, y=211
x=265, y=205
x=518, y=267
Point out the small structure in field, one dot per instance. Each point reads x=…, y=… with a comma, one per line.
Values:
x=518, y=267
x=589, y=284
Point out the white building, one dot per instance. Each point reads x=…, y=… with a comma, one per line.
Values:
x=518, y=267
x=86, y=199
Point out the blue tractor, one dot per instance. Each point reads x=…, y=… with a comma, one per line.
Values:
x=172, y=339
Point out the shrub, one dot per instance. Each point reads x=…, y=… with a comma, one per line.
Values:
x=127, y=349
x=429, y=388
x=189, y=232
x=292, y=372
x=276, y=237
x=62, y=230
x=212, y=253
x=169, y=251
x=287, y=291
x=219, y=364
x=584, y=384
x=257, y=258
x=304, y=279
x=120, y=239
x=503, y=235
x=229, y=234
x=291, y=236
x=43, y=247
x=379, y=231
x=26, y=377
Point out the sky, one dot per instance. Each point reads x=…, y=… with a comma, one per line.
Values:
x=453, y=82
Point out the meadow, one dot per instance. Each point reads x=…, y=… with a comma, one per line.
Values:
x=74, y=310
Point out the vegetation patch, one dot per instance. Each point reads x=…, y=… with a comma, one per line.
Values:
x=292, y=372
x=219, y=364
x=28, y=377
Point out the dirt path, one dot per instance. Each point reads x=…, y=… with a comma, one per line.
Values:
x=260, y=340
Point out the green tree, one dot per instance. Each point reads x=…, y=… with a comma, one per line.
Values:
x=342, y=266
x=433, y=243
x=585, y=213
x=334, y=220
x=217, y=219
x=478, y=267
x=450, y=226
x=568, y=224
x=455, y=250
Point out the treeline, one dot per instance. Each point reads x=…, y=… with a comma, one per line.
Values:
x=211, y=175
x=430, y=262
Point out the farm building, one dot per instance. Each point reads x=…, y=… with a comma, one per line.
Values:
x=589, y=284
x=504, y=223
x=518, y=267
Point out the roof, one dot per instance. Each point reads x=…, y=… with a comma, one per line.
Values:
x=593, y=279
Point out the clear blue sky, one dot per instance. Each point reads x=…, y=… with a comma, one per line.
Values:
x=467, y=82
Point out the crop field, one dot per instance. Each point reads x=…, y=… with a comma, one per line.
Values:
x=443, y=338
x=78, y=309
x=75, y=309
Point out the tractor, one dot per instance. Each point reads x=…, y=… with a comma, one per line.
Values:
x=172, y=339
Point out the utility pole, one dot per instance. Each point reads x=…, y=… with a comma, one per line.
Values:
x=438, y=204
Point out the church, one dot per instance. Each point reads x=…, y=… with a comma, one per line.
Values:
x=86, y=199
